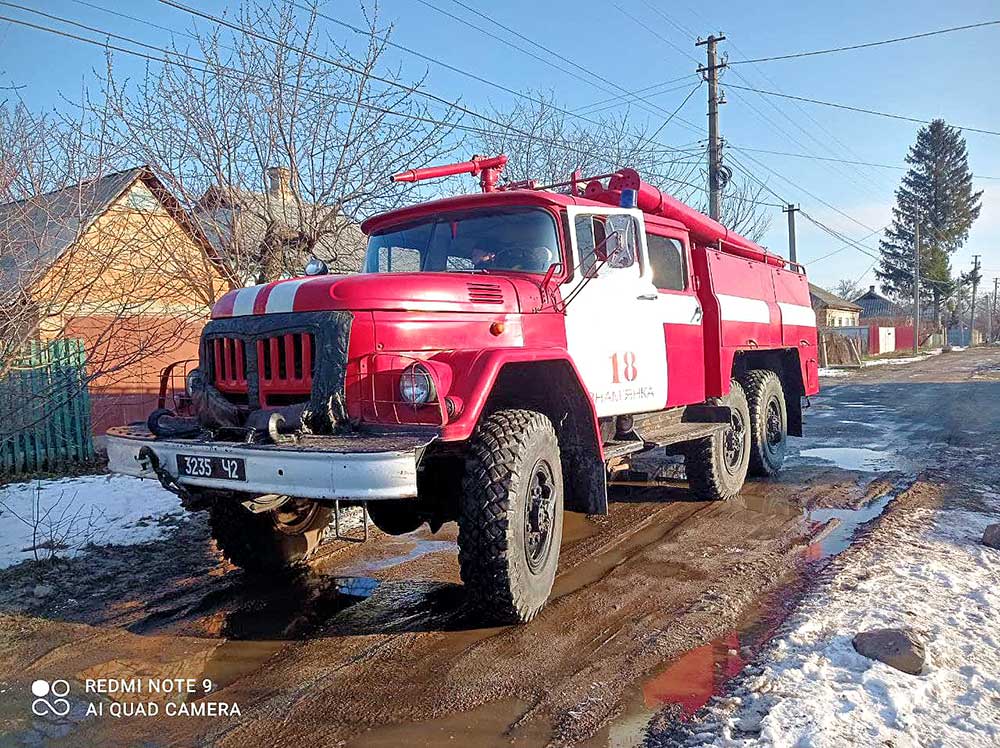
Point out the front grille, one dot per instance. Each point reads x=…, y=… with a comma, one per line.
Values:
x=284, y=365
x=229, y=359
x=285, y=368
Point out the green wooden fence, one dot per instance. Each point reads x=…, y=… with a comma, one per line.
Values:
x=45, y=409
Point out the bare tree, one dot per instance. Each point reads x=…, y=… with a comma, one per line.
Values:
x=743, y=209
x=280, y=138
x=848, y=288
x=546, y=143
x=87, y=250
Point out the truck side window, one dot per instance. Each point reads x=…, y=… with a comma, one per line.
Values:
x=666, y=257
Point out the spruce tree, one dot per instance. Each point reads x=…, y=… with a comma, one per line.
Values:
x=937, y=188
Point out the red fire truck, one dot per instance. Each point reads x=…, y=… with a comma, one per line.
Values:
x=499, y=358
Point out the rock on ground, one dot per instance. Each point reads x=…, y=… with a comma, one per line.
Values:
x=898, y=648
x=991, y=536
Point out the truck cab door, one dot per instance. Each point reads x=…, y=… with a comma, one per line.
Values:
x=614, y=315
x=670, y=262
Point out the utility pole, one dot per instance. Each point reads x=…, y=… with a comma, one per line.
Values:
x=710, y=72
x=791, y=210
x=975, y=287
x=916, y=286
x=993, y=308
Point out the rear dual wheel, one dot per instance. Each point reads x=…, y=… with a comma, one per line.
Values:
x=768, y=421
x=717, y=466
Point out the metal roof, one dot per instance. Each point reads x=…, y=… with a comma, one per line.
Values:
x=828, y=299
x=873, y=304
x=36, y=231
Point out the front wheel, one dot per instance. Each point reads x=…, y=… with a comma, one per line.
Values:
x=511, y=517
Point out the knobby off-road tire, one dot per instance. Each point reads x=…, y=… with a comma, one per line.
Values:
x=272, y=541
x=716, y=467
x=511, y=517
x=768, y=421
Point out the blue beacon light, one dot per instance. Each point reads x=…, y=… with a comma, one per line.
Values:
x=629, y=199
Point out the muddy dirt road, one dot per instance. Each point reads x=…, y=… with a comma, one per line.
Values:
x=654, y=606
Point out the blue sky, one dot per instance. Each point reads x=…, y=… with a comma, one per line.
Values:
x=953, y=76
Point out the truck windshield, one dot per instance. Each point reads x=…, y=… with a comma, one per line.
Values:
x=485, y=239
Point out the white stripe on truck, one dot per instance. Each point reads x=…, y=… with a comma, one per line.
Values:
x=797, y=314
x=742, y=309
x=282, y=298
x=245, y=299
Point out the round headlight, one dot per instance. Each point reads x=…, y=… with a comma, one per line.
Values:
x=415, y=385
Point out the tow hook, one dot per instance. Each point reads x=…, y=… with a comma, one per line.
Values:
x=148, y=460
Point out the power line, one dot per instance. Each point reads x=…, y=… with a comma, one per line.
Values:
x=244, y=75
x=850, y=244
x=753, y=108
x=672, y=115
x=613, y=101
x=866, y=44
x=611, y=87
x=840, y=160
x=576, y=114
x=852, y=108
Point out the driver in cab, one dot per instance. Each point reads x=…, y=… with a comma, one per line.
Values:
x=535, y=260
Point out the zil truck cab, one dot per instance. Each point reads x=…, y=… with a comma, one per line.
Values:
x=500, y=356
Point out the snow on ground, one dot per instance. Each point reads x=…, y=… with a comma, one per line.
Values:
x=61, y=517
x=825, y=372
x=905, y=360
x=931, y=573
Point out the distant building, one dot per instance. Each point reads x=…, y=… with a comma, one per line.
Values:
x=831, y=310
x=240, y=223
x=117, y=262
x=876, y=307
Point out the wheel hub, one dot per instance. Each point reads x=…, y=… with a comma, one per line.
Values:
x=294, y=516
x=733, y=441
x=539, y=515
x=772, y=424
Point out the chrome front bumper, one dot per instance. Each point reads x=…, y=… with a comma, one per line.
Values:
x=360, y=467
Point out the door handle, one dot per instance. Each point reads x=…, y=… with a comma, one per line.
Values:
x=696, y=317
x=648, y=296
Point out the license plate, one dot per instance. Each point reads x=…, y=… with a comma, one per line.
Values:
x=223, y=468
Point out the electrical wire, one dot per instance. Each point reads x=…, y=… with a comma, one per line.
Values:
x=244, y=75
x=611, y=87
x=854, y=108
x=840, y=160
x=576, y=114
x=866, y=45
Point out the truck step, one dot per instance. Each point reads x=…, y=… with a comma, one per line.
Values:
x=621, y=447
x=674, y=433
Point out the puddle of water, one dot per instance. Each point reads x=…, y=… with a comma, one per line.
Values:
x=577, y=526
x=418, y=547
x=845, y=523
x=852, y=458
x=487, y=726
x=687, y=683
